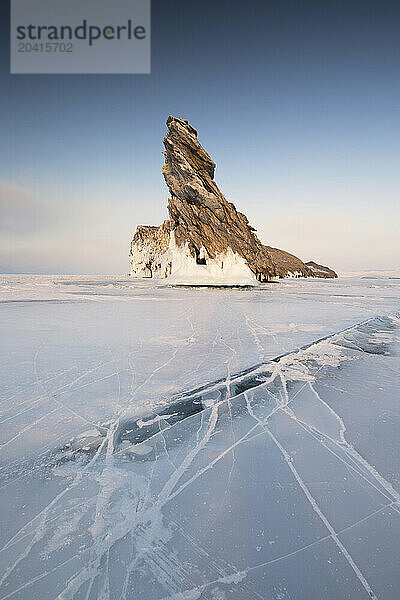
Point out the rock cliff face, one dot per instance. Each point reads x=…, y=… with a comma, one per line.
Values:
x=321, y=271
x=199, y=214
x=206, y=240
x=288, y=265
x=148, y=248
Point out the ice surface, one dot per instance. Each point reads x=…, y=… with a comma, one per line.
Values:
x=167, y=443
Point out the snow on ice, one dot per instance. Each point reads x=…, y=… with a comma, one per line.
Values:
x=169, y=443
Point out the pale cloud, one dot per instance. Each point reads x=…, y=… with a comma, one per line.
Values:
x=21, y=211
x=347, y=238
x=57, y=232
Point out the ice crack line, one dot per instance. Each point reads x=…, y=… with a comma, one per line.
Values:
x=315, y=505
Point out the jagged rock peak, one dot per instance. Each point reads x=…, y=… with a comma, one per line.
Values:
x=206, y=240
x=200, y=215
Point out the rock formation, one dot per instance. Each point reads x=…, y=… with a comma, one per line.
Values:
x=148, y=248
x=320, y=271
x=206, y=240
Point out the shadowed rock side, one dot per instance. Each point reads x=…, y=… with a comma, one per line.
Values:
x=288, y=265
x=205, y=240
x=320, y=270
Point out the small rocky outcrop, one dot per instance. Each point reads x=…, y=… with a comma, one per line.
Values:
x=148, y=248
x=321, y=271
x=287, y=265
x=205, y=240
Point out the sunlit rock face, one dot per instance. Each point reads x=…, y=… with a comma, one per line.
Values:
x=321, y=271
x=148, y=248
x=206, y=240
x=288, y=265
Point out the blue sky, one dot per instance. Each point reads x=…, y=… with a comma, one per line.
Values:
x=298, y=103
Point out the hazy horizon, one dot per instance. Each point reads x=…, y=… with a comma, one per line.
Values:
x=297, y=105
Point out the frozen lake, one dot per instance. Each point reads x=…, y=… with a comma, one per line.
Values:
x=199, y=444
